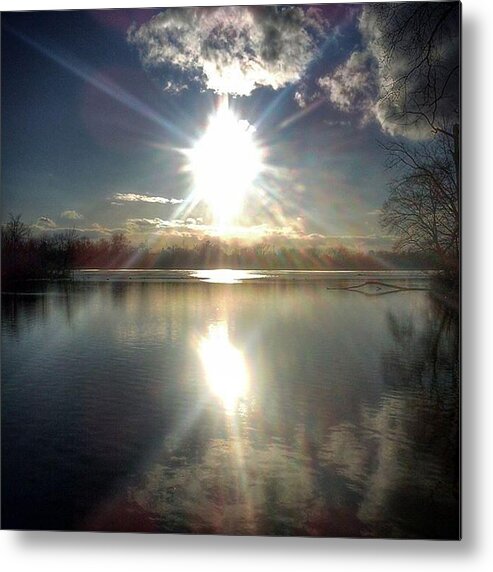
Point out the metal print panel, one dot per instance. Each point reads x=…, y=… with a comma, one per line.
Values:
x=230, y=270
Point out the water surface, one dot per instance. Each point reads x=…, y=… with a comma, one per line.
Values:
x=254, y=403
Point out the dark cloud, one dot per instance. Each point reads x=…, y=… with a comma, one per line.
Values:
x=405, y=75
x=417, y=56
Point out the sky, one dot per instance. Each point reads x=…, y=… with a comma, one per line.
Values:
x=110, y=124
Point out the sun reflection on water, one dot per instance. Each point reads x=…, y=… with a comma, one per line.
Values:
x=224, y=365
x=226, y=275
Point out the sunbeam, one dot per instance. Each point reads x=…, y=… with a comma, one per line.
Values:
x=105, y=85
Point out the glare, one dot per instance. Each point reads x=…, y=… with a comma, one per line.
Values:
x=224, y=366
x=226, y=275
x=225, y=163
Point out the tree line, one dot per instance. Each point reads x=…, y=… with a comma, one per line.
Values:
x=26, y=256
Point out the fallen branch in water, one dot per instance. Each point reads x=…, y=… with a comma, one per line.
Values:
x=393, y=287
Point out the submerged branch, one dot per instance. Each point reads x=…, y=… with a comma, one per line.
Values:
x=392, y=288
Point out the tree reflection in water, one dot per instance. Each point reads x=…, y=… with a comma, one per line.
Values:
x=402, y=456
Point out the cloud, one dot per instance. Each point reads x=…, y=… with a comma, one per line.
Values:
x=353, y=86
x=233, y=49
x=134, y=198
x=289, y=234
x=412, y=79
x=300, y=98
x=99, y=228
x=46, y=226
x=337, y=123
x=71, y=215
x=145, y=224
x=388, y=77
x=45, y=222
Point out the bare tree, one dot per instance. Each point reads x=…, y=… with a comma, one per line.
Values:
x=417, y=46
x=418, y=49
x=65, y=244
x=15, y=232
x=422, y=209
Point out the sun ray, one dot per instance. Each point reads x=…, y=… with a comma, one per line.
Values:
x=102, y=83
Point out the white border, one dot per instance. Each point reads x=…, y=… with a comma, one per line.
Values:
x=56, y=552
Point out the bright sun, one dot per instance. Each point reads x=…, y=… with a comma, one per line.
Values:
x=225, y=162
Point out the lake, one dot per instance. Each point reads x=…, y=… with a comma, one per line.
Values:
x=233, y=402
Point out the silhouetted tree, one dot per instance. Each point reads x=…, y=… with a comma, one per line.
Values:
x=15, y=254
x=423, y=206
x=417, y=46
x=15, y=232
